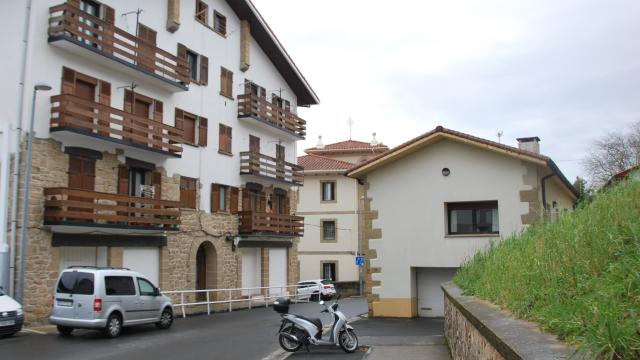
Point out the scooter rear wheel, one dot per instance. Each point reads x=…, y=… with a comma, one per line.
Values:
x=348, y=340
x=287, y=344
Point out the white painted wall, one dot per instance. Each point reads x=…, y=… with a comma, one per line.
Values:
x=410, y=196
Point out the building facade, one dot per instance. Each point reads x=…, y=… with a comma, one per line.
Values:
x=434, y=201
x=330, y=203
x=166, y=145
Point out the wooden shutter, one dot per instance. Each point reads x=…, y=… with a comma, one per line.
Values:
x=254, y=144
x=128, y=100
x=204, y=70
x=156, y=181
x=109, y=14
x=215, y=197
x=263, y=202
x=229, y=83
x=182, y=51
x=123, y=180
x=287, y=205
x=202, y=131
x=202, y=10
x=263, y=92
x=247, y=86
x=158, y=109
x=179, y=119
x=188, y=192
x=228, y=136
x=104, y=98
x=75, y=3
x=68, y=81
x=147, y=34
x=233, y=206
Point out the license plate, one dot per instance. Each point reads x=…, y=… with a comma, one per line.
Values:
x=65, y=303
x=7, y=323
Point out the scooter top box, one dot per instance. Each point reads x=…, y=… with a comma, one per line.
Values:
x=281, y=305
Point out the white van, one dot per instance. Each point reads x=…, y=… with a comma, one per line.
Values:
x=11, y=316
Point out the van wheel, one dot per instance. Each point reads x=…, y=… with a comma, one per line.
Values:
x=166, y=319
x=64, y=330
x=114, y=326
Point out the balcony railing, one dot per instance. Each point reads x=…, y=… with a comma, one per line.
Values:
x=261, y=109
x=266, y=166
x=69, y=112
x=270, y=224
x=70, y=22
x=75, y=207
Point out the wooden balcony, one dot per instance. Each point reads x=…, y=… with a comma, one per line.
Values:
x=72, y=113
x=260, y=109
x=269, y=167
x=94, y=36
x=256, y=223
x=96, y=211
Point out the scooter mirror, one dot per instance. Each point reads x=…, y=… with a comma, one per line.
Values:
x=321, y=302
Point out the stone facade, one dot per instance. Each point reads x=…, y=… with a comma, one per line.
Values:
x=367, y=215
x=177, y=258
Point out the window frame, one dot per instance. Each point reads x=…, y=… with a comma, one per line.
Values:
x=218, y=16
x=323, y=239
x=204, y=12
x=133, y=285
x=334, y=192
x=138, y=280
x=474, y=206
x=229, y=139
x=335, y=270
x=194, y=54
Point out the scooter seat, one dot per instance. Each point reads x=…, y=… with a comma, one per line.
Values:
x=315, y=321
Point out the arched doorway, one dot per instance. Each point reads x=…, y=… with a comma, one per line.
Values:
x=206, y=268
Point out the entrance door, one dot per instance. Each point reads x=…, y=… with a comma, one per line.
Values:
x=201, y=272
x=430, y=295
x=82, y=176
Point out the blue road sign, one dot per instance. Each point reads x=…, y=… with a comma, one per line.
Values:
x=360, y=260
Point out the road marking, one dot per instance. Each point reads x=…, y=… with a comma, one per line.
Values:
x=34, y=331
x=278, y=355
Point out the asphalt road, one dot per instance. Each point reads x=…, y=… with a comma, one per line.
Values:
x=243, y=334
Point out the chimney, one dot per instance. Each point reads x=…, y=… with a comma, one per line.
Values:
x=319, y=145
x=374, y=142
x=531, y=144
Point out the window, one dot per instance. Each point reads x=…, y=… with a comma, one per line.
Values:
x=202, y=12
x=192, y=60
x=328, y=190
x=74, y=282
x=328, y=230
x=119, y=285
x=280, y=102
x=224, y=198
x=188, y=192
x=226, y=83
x=219, y=23
x=194, y=127
x=146, y=287
x=329, y=271
x=473, y=218
x=198, y=65
x=224, y=139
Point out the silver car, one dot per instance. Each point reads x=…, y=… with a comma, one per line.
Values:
x=107, y=299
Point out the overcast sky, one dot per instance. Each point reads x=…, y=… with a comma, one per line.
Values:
x=566, y=71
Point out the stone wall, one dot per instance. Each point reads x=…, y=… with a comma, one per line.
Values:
x=478, y=330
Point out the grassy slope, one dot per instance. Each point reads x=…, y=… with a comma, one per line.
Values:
x=579, y=277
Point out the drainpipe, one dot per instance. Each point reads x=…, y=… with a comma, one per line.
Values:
x=544, y=192
x=4, y=191
x=16, y=160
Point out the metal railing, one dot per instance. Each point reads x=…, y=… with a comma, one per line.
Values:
x=254, y=296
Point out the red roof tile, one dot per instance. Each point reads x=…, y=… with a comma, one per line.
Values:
x=315, y=162
x=349, y=145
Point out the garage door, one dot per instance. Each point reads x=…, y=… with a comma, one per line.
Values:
x=430, y=296
x=277, y=270
x=251, y=270
x=145, y=260
x=82, y=256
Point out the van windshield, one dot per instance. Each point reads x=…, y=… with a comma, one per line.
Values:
x=74, y=282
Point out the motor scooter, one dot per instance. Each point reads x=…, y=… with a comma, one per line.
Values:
x=297, y=330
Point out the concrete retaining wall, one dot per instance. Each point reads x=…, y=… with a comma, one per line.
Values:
x=476, y=329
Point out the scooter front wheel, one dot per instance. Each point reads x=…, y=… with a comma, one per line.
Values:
x=348, y=340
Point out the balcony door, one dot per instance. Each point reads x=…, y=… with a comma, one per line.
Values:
x=92, y=9
x=86, y=90
x=82, y=176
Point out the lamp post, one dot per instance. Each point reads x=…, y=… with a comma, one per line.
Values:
x=27, y=184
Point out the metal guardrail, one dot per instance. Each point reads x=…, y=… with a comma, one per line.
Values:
x=254, y=296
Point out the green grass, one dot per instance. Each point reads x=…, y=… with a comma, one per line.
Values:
x=578, y=277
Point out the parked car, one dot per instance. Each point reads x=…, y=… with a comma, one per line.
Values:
x=315, y=290
x=11, y=316
x=107, y=299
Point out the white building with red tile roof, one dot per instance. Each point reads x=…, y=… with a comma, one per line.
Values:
x=329, y=201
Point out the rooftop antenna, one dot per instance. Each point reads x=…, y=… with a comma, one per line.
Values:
x=350, y=123
x=374, y=141
x=499, y=134
x=320, y=145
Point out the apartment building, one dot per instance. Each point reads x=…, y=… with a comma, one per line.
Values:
x=433, y=202
x=329, y=202
x=167, y=143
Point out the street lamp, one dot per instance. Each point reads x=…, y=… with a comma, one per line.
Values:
x=27, y=182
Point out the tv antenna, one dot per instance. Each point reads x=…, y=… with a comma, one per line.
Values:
x=350, y=122
x=499, y=135
x=138, y=11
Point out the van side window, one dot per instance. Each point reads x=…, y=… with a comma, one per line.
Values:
x=119, y=285
x=74, y=282
x=146, y=288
